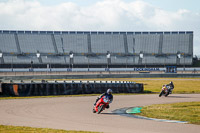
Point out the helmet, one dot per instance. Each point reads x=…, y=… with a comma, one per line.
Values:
x=171, y=82
x=109, y=91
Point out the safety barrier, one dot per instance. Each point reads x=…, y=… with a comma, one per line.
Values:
x=45, y=88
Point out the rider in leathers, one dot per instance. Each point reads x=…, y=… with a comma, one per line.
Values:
x=170, y=87
x=108, y=94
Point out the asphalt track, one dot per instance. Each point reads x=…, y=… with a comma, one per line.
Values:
x=75, y=113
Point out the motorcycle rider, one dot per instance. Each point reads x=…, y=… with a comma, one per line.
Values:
x=108, y=94
x=170, y=87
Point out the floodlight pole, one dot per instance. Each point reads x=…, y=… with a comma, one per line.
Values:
x=38, y=55
x=71, y=56
x=179, y=57
x=1, y=55
x=141, y=55
x=108, y=57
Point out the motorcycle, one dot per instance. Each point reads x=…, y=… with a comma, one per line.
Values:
x=101, y=104
x=165, y=91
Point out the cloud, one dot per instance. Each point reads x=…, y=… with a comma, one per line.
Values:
x=108, y=15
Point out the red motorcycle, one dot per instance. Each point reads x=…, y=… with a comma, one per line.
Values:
x=101, y=104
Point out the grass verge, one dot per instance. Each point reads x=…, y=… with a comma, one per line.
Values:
x=182, y=86
x=20, y=129
x=187, y=111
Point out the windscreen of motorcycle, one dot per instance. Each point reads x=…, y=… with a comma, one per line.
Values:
x=105, y=99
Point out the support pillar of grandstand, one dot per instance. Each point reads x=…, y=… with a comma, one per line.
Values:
x=17, y=44
x=160, y=44
x=108, y=59
x=89, y=43
x=178, y=58
x=1, y=57
x=39, y=57
x=54, y=43
x=71, y=59
x=88, y=58
x=134, y=51
x=141, y=56
x=63, y=50
x=125, y=44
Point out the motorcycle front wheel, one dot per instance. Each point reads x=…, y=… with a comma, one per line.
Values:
x=100, y=109
x=160, y=93
x=94, y=111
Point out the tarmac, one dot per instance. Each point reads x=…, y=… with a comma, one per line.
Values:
x=75, y=113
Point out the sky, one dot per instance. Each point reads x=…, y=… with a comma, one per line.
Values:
x=102, y=15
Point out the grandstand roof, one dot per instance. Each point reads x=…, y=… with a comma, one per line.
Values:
x=94, y=32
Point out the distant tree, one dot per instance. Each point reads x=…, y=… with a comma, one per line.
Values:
x=196, y=61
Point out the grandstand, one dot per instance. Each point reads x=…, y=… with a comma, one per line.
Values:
x=94, y=49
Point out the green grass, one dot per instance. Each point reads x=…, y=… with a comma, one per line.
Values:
x=187, y=111
x=181, y=86
x=20, y=129
x=154, y=85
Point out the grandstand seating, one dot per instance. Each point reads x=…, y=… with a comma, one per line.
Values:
x=97, y=60
x=72, y=42
x=186, y=60
x=146, y=43
x=21, y=59
x=7, y=43
x=54, y=59
x=55, y=47
x=31, y=43
x=117, y=60
x=103, y=43
x=80, y=60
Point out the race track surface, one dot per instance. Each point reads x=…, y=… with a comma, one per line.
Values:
x=75, y=113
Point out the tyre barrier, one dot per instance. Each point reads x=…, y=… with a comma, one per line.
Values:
x=45, y=88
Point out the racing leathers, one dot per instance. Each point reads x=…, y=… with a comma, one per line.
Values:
x=170, y=87
x=110, y=97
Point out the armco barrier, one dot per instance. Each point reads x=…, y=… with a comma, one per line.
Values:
x=68, y=88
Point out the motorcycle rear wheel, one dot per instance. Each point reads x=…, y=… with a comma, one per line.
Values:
x=167, y=94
